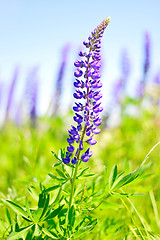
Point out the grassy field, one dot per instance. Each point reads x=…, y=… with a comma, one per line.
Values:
x=26, y=160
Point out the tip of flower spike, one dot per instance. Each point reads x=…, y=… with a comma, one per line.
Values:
x=107, y=19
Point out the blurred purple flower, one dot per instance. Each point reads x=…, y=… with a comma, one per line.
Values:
x=59, y=82
x=157, y=78
x=31, y=93
x=125, y=65
x=117, y=89
x=147, y=53
x=120, y=85
x=1, y=90
x=11, y=93
x=140, y=89
x=147, y=47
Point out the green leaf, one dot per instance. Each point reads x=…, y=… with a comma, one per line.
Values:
x=59, y=228
x=129, y=195
x=45, y=206
x=57, y=164
x=29, y=235
x=27, y=219
x=54, y=213
x=55, y=177
x=79, y=225
x=52, y=188
x=127, y=179
x=71, y=216
x=42, y=199
x=61, y=173
x=48, y=233
x=33, y=193
x=55, y=155
x=8, y=216
x=28, y=209
x=37, y=214
x=61, y=153
x=58, y=195
x=118, y=178
x=89, y=175
x=112, y=176
x=2, y=225
x=17, y=208
x=84, y=230
x=15, y=235
x=105, y=175
x=37, y=231
x=82, y=172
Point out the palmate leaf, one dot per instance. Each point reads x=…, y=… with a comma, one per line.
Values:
x=37, y=231
x=54, y=213
x=45, y=206
x=17, y=208
x=126, y=179
x=48, y=233
x=86, y=229
x=16, y=235
x=32, y=191
x=37, y=214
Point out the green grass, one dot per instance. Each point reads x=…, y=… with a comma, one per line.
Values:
x=26, y=159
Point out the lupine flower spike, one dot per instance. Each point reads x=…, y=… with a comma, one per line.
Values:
x=120, y=85
x=59, y=82
x=11, y=92
x=87, y=84
x=147, y=49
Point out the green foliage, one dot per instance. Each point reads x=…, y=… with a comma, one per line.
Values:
x=115, y=203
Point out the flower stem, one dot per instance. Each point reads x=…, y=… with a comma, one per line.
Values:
x=108, y=195
x=75, y=171
x=72, y=185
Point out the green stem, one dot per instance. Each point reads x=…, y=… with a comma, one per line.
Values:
x=72, y=185
x=78, y=154
x=99, y=203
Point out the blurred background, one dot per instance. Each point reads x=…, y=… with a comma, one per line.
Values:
x=40, y=41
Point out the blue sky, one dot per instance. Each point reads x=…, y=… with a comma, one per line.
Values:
x=34, y=33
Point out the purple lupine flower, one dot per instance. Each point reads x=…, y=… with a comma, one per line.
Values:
x=87, y=84
x=59, y=81
x=11, y=92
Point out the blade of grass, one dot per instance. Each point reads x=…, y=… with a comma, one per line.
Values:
x=154, y=207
